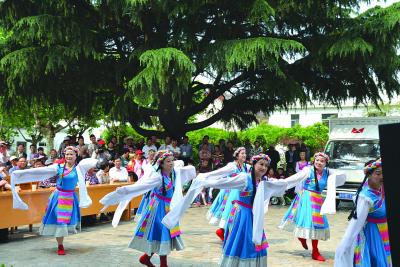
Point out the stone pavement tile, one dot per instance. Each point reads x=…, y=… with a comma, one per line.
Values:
x=103, y=245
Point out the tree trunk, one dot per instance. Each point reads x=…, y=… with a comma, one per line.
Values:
x=50, y=140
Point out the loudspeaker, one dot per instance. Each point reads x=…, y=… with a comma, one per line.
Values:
x=390, y=152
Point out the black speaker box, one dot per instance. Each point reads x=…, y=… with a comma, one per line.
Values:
x=389, y=135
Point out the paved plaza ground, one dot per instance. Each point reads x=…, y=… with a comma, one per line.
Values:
x=102, y=245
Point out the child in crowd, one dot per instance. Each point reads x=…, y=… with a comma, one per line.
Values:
x=205, y=166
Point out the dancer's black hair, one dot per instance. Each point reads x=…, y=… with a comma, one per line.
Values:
x=316, y=178
x=353, y=213
x=159, y=168
x=253, y=180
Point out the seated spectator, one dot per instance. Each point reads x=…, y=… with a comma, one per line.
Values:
x=20, y=151
x=217, y=158
x=149, y=145
x=93, y=145
x=140, y=162
x=302, y=162
x=166, y=145
x=52, y=158
x=4, y=156
x=205, y=166
x=271, y=173
x=151, y=156
x=103, y=173
x=4, y=185
x=81, y=142
x=21, y=165
x=140, y=144
x=257, y=149
x=129, y=143
x=13, y=161
x=101, y=152
x=280, y=173
x=186, y=150
x=111, y=150
x=175, y=148
x=40, y=153
x=47, y=183
x=91, y=177
x=249, y=148
x=204, y=155
x=125, y=157
x=118, y=173
x=205, y=141
x=228, y=152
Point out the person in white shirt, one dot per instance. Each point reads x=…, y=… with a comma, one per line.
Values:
x=4, y=156
x=166, y=145
x=118, y=173
x=175, y=148
x=149, y=145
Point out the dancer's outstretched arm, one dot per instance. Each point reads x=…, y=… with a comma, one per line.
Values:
x=344, y=256
x=297, y=178
x=43, y=173
x=236, y=182
x=123, y=195
x=335, y=179
x=183, y=175
x=265, y=190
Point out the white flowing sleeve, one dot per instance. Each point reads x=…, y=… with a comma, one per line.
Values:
x=183, y=175
x=82, y=168
x=265, y=190
x=225, y=171
x=237, y=182
x=123, y=195
x=344, y=255
x=297, y=178
x=28, y=176
x=334, y=180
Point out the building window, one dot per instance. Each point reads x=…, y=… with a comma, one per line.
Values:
x=325, y=117
x=294, y=119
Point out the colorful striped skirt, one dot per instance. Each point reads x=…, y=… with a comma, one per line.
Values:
x=304, y=219
x=62, y=216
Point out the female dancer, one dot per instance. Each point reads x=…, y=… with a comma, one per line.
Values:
x=366, y=240
x=62, y=213
x=219, y=210
x=150, y=235
x=306, y=213
x=146, y=197
x=245, y=242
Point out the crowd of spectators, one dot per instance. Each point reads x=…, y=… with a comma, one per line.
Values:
x=124, y=161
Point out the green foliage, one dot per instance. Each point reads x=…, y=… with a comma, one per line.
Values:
x=166, y=68
x=120, y=131
x=161, y=63
x=255, y=52
x=315, y=136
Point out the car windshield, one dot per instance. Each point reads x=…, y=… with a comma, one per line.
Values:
x=352, y=152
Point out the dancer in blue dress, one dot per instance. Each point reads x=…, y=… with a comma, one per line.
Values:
x=146, y=197
x=62, y=216
x=306, y=215
x=220, y=209
x=150, y=235
x=245, y=241
x=366, y=240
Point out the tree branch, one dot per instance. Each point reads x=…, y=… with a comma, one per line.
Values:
x=229, y=105
x=145, y=132
x=23, y=136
